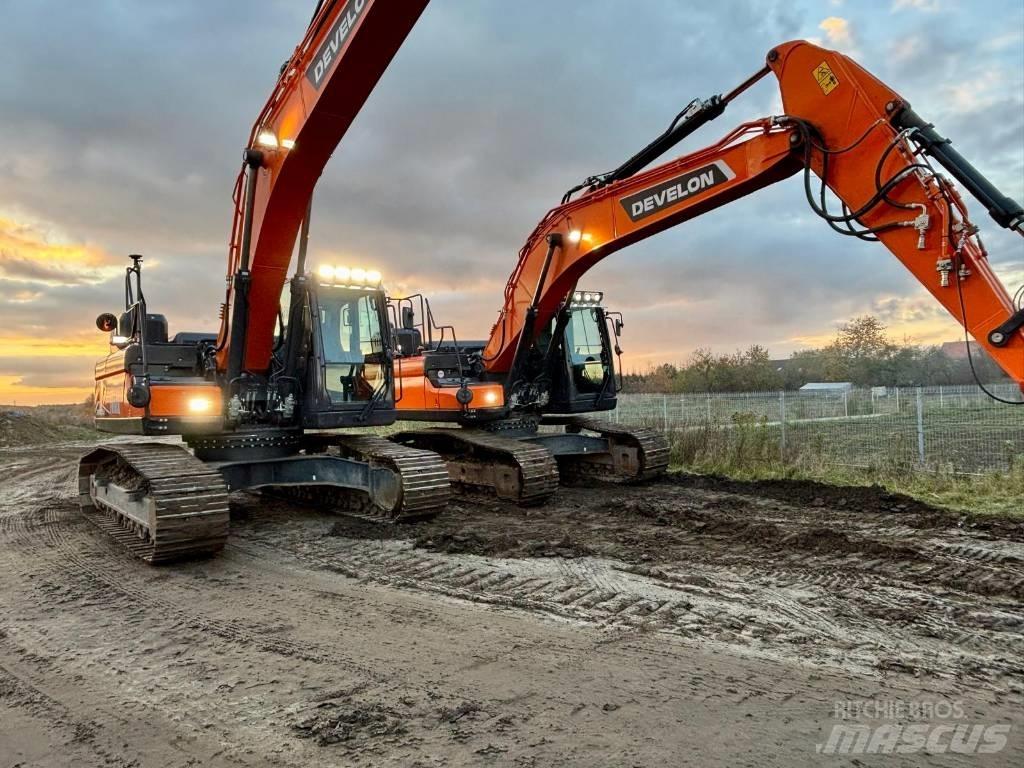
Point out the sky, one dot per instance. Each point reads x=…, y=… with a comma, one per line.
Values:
x=122, y=124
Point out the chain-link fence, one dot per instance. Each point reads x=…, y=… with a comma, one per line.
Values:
x=956, y=429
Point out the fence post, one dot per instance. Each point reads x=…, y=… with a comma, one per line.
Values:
x=941, y=404
x=920, y=427
x=664, y=410
x=846, y=405
x=782, y=424
x=709, y=407
x=897, y=401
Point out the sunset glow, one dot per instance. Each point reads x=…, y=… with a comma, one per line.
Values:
x=441, y=178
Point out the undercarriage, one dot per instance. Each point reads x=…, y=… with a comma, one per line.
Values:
x=518, y=462
x=165, y=504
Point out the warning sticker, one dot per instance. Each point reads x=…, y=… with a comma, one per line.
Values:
x=826, y=78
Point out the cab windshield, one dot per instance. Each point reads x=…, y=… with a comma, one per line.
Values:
x=353, y=347
x=584, y=344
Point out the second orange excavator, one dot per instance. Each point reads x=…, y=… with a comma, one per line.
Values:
x=549, y=357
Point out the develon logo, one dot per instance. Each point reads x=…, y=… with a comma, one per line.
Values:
x=649, y=201
x=335, y=40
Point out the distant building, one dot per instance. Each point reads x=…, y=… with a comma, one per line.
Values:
x=827, y=386
x=957, y=350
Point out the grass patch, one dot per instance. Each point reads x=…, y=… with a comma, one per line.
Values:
x=45, y=424
x=750, y=450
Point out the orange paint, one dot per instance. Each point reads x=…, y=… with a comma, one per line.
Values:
x=415, y=392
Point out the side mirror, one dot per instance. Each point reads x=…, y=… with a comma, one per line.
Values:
x=106, y=322
x=619, y=325
x=408, y=318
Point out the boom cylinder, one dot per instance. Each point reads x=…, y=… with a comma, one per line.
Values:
x=243, y=278
x=300, y=266
x=699, y=115
x=1005, y=211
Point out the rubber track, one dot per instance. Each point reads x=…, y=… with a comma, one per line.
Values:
x=191, y=502
x=537, y=468
x=652, y=445
x=425, y=485
x=425, y=488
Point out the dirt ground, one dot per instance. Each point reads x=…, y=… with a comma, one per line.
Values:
x=694, y=621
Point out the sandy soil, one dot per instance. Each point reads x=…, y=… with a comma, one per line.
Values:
x=691, y=622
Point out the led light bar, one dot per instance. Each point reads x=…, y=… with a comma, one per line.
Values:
x=587, y=298
x=358, y=277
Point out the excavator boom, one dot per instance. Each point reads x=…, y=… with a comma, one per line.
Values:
x=857, y=135
x=550, y=350
x=320, y=90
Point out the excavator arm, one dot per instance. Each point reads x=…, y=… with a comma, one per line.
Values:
x=321, y=89
x=859, y=138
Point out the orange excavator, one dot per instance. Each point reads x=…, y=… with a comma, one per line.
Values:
x=249, y=399
x=254, y=401
x=549, y=357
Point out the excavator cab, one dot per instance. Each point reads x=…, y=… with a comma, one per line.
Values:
x=338, y=343
x=583, y=369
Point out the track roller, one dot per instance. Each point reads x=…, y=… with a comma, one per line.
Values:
x=477, y=460
x=633, y=454
x=156, y=499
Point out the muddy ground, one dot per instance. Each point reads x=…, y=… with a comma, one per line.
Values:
x=695, y=621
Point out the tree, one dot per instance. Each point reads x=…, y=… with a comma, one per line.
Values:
x=863, y=337
x=861, y=352
x=702, y=365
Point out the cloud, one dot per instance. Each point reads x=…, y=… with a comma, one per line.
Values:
x=45, y=370
x=36, y=252
x=916, y=318
x=13, y=392
x=46, y=373
x=919, y=5
x=907, y=49
x=837, y=30
x=23, y=296
x=976, y=93
x=1002, y=40
x=480, y=123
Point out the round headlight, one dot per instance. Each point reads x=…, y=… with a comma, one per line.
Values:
x=359, y=275
x=373, y=277
x=577, y=297
x=342, y=274
x=326, y=272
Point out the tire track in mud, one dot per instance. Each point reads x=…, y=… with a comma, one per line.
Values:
x=103, y=693
x=843, y=608
x=71, y=566
x=90, y=567
x=20, y=693
x=42, y=480
x=725, y=585
x=518, y=584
